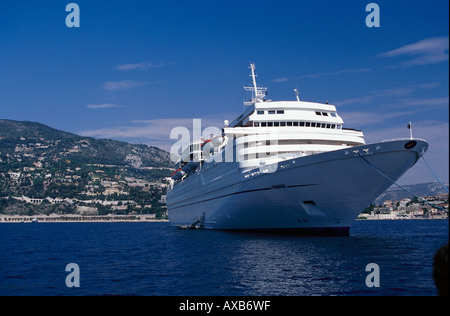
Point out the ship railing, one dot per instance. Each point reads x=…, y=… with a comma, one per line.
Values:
x=397, y=139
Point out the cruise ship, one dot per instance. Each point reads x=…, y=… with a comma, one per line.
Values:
x=284, y=166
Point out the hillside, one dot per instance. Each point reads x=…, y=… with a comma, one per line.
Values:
x=38, y=139
x=14, y=130
x=422, y=189
x=47, y=171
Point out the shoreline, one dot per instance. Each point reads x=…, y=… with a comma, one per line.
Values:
x=19, y=219
x=398, y=218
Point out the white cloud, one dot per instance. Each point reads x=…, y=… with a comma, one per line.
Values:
x=284, y=79
x=398, y=93
x=428, y=51
x=428, y=102
x=102, y=106
x=361, y=119
x=321, y=74
x=140, y=66
x=122, y=85
x=334, y=73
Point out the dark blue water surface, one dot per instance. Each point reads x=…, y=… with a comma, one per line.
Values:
x=156, y=259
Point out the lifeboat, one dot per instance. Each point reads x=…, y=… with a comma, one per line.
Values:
x=191, y=165
x=217, y=141
x=178, y=174
x=214, y=142
x=206, y=147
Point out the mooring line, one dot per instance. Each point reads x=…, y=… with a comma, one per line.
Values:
x=415, y=195
x=431, y=170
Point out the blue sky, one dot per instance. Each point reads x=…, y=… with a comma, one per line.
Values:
x=133, y=70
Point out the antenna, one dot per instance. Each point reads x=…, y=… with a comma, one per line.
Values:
x=253, y=75
x=258, y=93
x=296, y=93
x=410, y=130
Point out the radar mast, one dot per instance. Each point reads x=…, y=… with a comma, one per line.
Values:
x=258, y=93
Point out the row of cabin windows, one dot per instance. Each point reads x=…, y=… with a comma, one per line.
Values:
x=271, y=112
x=300, y=124
x=261, y=112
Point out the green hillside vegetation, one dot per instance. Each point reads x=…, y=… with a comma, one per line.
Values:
x=40, y=162
x=78, y=149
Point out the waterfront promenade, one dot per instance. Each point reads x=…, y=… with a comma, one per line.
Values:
x=55, y=218
x=401, y=216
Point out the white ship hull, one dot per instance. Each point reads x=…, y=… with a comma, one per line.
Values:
x=322, y=193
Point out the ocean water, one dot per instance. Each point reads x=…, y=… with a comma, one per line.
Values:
x=154, y=259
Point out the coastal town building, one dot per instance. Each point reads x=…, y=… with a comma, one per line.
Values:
x=436, y=208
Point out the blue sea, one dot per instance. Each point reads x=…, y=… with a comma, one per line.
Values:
x=154, y=259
